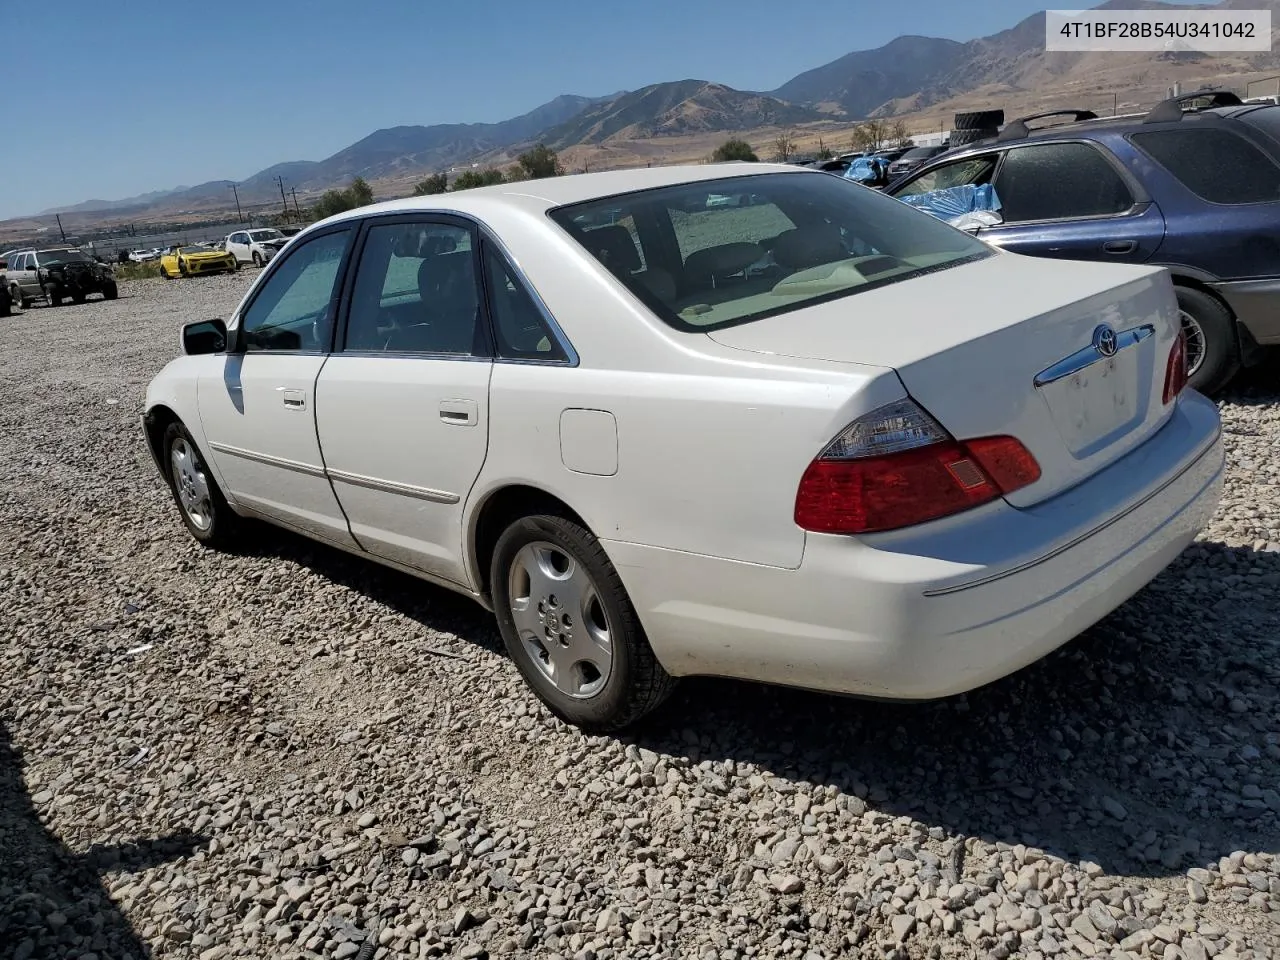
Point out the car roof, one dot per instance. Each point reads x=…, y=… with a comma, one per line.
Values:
x=572, y=188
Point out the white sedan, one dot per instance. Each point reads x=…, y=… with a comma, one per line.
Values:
x=812, y=437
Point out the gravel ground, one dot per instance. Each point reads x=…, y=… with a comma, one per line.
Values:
x=294, y=753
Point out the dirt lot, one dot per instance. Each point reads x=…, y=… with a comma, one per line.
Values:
x=285, y=752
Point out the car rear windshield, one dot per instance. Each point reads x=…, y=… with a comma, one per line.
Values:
x=716, y=253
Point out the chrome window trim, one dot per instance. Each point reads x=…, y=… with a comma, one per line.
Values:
x=487, y=234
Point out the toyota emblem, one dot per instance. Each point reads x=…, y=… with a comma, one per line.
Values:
x=1104, y=340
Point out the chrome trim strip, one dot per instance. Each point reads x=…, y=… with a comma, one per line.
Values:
x=1086, y=357
x=1023, y=567
x=389, y=486
x=270, y=461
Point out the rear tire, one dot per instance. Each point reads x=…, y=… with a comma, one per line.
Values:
x=618, y=679
x=1213, y=351
x=204, y=510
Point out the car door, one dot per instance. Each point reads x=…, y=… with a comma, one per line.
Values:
x=402, y=405
x=238, y=244
x=27, y=276
x=257, y=407
x=1070, y=200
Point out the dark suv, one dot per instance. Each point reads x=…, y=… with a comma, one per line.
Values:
x=1193, y=186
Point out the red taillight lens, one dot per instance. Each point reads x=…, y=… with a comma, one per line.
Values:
x=936, y=477
x=1175, y=371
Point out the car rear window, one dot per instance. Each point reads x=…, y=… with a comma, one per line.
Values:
x=1215, y=164
x=716, y=253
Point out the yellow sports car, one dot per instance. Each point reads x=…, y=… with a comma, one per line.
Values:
x=195, y=260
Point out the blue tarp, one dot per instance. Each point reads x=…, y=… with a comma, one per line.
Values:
x=953, y=202
x=867, y=170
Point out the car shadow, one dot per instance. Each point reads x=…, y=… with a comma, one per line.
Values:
x=52, y=901
x=1117, y=749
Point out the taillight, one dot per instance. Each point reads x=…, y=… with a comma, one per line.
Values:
x=1175, y=370
x=897, y=466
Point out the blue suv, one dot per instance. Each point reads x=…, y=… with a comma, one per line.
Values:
x=1193, y=186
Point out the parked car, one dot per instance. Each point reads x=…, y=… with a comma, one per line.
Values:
x=1192, y=189
x=655, y=456
x=144, y=256
x=912, y=159
x=196, y=260
x=6, y=298
x=255, y=246
x=55, y=274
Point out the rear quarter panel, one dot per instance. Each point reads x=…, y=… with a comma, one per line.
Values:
x=712, y=442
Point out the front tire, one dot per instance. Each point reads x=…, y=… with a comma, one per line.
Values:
x=568, y=624
x=204, y=510
x=110, y=291
x=164, y=273
x=53, y=293
x=257, y=259
x=1213, y=354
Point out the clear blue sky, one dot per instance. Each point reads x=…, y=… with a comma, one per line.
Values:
x=124, y=97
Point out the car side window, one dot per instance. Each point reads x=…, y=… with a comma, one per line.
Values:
x=1059, y=181
x=1215, y=164
x=416, y=291
x=518, y=323
x=294, y=308
x=971, y=170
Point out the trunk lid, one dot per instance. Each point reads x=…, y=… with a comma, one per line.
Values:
x=1008, y=345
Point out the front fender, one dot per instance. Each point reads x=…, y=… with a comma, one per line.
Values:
x=173, y=394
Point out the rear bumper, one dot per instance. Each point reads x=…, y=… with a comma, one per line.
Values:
x=945, y=607
x=1256, y=304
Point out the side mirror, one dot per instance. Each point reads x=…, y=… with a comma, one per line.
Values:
x=204, y=336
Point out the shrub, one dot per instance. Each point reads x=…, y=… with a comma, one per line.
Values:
x=734, y=149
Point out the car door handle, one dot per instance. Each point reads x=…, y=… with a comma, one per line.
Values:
x=461, y=413
x=293, y=399
x=1119, y=246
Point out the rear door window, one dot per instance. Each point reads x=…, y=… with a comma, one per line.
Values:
x=1215, y=164
x=1059, y=181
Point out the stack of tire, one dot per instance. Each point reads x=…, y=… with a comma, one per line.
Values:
x=972, y=127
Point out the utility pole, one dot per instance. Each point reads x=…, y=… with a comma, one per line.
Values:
x=1115, y=104
x=236, y=194
x=285, y=202
x=60, y=230
x=293, y=192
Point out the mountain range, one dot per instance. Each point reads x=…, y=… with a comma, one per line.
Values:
x=905, y=76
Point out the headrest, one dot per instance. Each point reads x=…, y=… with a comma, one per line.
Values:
x=809, y=246
x=614, y=247
x=722, y=261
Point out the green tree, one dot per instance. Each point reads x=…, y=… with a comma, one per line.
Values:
x=872, y=135
x=734, y=149
x=358, y=194
x=539, y=162
x=436, y=183
x=478, y=178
